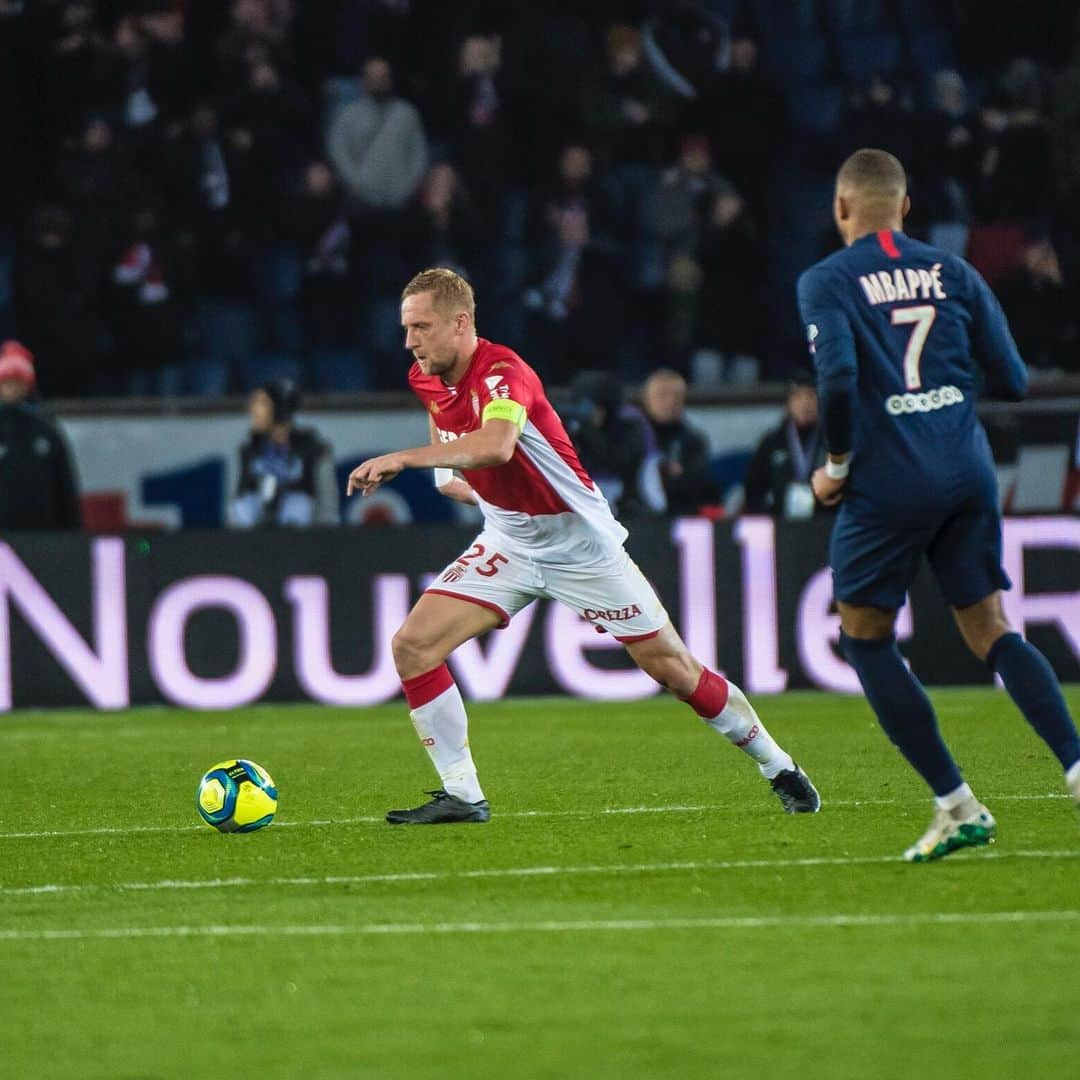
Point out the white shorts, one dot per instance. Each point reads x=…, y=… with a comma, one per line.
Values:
x=607, y=590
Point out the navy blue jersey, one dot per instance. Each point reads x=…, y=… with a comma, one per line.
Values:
x=912, y=334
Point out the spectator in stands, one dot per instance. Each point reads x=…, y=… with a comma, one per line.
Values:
x=212, y=112
x=378, y=145
x=147, y=306
x=95, y=181
x=258, y=32
x=880, y=114
x=53, y=273
x=286, y=472
x=675, y=218
x=316, y=223
x=472, y=116
x=1041, y=312
x=153, y=73
x=743, y=111
x=625, y=106
x=38, y=487
x=616, y=444
x=445, y=227
x=732, y=293
x=778, y=478
x=68, y=42
x=579, y=291
x=273, y=113
x=951, y=162
x=1066, y=114
x=683, y=199
x=566, y=230
x=684, y=451
x=1017, y=174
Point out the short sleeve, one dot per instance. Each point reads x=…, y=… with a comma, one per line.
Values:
x=508, y=380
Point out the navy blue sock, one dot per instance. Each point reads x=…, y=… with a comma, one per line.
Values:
x=903, y=709
x=1034, y=687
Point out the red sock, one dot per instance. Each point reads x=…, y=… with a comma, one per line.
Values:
x=709, y=696
x=421, y=689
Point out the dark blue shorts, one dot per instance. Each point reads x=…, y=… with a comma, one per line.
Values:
x=874, y=563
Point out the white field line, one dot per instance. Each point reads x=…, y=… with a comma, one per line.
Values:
x=732, y=922
x=118, y=830
x=500, y=872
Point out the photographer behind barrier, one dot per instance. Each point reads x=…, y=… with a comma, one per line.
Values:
x=38, y=488
x=778, y=478
x=286, y=472
x=616, y=444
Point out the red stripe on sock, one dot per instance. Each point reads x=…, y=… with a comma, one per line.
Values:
x=421, y=689
x=888, y=244
x=710, y=696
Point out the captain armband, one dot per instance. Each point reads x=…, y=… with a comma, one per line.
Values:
x=504, y=409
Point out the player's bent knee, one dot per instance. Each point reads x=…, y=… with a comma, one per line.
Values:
x=674, y=671
x=412, y=655
x=866, y=622
x=982, y=625
x=982, y=640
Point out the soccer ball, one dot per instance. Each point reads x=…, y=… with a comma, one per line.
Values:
x=236, y=796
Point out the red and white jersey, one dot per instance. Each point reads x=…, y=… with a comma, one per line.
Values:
x=541, y=500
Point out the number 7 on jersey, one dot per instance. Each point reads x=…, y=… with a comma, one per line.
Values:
x=921, y=317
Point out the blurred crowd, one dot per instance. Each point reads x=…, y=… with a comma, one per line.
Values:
x=204, y=195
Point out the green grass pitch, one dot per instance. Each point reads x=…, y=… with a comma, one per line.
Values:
x=637, y=907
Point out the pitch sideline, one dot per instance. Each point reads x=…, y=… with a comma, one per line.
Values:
x=741, y=922
x=497, y=872
x=115, y=830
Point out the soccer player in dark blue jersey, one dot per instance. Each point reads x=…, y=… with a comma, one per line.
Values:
x=904, y=337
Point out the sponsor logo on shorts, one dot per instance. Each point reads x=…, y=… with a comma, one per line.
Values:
x=930, y=401
x=429, y=741
x=619, y=614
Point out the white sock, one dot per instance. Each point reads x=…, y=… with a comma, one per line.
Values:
x=1072, y=775
x=951, y=800
x=739, y=724
x=443, y=728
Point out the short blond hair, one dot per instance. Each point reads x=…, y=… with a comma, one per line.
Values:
x=450, y=292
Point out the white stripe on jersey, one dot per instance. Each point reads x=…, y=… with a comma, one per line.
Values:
x=548, y=535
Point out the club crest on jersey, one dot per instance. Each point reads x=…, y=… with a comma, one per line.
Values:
x=497, y=387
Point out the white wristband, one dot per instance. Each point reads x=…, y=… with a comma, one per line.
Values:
x=837, y=470
x=443, y=477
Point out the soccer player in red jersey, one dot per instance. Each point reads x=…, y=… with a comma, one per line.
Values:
x=547, y=532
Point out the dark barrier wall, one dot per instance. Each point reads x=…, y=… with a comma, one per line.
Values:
x=218, y=620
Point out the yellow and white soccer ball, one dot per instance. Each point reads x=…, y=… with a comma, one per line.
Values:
x=237, y=796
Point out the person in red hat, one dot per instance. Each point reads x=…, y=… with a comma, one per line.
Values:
x=17, y=378
x=38, y=487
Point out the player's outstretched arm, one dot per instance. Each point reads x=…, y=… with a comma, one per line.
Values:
x=493, y=444
x=832, y=346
